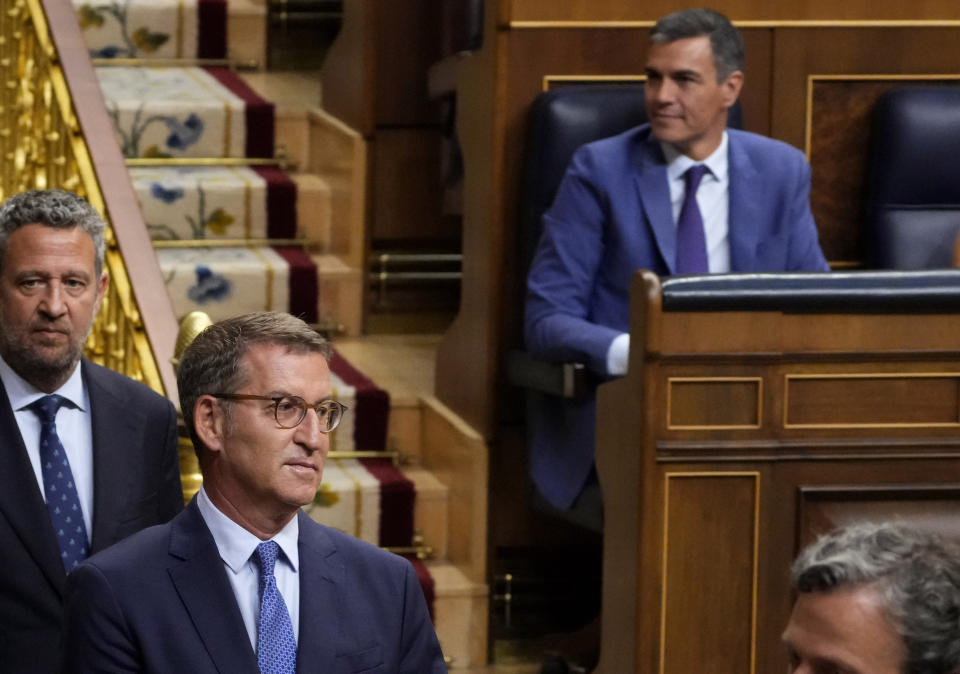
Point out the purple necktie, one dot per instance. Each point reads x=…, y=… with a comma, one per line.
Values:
x=691, y=241
x=63, y=503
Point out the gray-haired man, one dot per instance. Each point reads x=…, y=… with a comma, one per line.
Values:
x=876, y=599
x=89, y=456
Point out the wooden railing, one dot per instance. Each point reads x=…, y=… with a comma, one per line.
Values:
x=55, y=132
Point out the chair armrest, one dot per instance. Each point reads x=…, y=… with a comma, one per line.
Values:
x=566, y=380
x=443, y=75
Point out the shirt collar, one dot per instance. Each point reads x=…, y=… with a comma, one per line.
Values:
x=236, y=544
x=22, y=393
x=677, y=163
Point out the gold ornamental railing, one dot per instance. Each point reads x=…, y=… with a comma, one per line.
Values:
x=42, y=146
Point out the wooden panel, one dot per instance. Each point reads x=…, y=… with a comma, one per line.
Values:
x=713, y=403
x=844, y=334
x=865, y=401
x=840, y=122
x=929, y=507
x=672, y=530
x=695, y=530
x=349, y=68
x=408, y=43
x=737, y=10
x=406, y=182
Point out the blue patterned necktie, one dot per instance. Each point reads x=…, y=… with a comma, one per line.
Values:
x=63, y=503
x=691, y=240
x=276, y=646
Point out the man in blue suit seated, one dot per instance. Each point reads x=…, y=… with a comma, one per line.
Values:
x=682, y=194
x=242, y=580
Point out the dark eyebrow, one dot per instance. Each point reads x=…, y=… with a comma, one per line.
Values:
x=28, y=273
x=675, y=74
x=38, y=273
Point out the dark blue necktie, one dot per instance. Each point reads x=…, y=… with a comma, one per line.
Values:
x=62, y=500
x=276, y=646
x=691, y=240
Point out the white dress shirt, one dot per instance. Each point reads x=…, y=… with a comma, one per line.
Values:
x=73, y=428
x=237, y=547
x=713, y=200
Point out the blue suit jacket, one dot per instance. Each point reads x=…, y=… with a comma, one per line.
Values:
x=160, y=601
x=136, y=484
x=612, y=216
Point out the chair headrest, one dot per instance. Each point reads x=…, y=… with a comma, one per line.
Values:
x=816, y=292
x=916, y=142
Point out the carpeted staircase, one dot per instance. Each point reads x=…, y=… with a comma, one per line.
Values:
x=235, y=232
x=230, y=235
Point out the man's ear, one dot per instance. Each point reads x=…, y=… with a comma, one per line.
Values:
x=731, y=88
x=209, y=422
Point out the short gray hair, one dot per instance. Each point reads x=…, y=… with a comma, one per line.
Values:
x=212, y=362
x=725, y=40
x=52, y=208
x=915, y=572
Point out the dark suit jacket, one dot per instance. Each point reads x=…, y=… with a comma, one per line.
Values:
x=161, y=601
x=136, y=484
x=612, y=216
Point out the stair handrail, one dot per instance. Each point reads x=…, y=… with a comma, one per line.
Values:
x=55, y=132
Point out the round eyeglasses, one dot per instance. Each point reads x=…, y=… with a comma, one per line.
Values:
x=289, y=411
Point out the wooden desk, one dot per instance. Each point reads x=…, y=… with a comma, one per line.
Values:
x=734, y=439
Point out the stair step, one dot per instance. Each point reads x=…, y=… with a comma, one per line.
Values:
x=460, y=615
x=149, y=30
x=202, y=202
x=247, y=31
x=225, y=282
x=340, y=294
x=314, y=211
x=175, y=112
x=430, y=510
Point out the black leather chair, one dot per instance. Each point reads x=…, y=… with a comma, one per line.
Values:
x=560, y=121
x=913, y=189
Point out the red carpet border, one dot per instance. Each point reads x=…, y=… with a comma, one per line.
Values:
x=212, y=29
x=258, y=113
x=373, y=406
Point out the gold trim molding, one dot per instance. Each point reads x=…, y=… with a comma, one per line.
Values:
x=711, y=380
x=626, y=79
x=787, y=378
x=666, y=547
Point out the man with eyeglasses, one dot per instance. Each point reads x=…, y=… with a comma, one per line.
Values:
x=243, y=580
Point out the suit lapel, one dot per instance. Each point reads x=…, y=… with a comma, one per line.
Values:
x=319, y=612
x=655, y=199
x=21, y=501
x=207, y=595
x=114, y=460
x=745, y=214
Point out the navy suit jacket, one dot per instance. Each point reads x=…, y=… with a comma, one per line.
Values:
x=161, y=601
x=136, y=484
x=612, y=216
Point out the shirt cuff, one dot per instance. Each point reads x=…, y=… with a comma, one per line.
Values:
x=618, y=354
